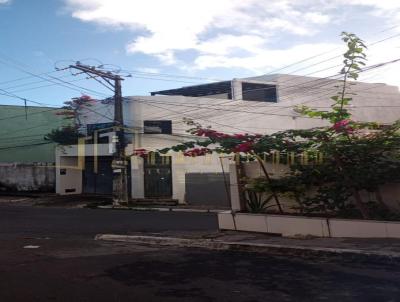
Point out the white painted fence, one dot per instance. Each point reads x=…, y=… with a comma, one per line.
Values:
x=289, y=226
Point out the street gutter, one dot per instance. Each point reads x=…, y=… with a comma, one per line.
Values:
x=274, y=249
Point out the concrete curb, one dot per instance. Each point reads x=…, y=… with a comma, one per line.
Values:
x=164, y=209
x=275, y=249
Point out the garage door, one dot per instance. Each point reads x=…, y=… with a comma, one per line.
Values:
x=207, y=189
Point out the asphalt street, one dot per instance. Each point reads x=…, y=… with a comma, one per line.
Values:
x=64, y=222
x=64, y=263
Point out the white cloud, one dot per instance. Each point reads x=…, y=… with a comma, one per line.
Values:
x=148, y=70
x=388, y=9
x=226, y=44
x=5, y=1
x=232, y=33
x=317, y=17
x=381, y=4
x=175, y=25
x=264, y=59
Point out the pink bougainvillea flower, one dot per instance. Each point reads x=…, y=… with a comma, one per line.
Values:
x=140, y=152
x=244, y=147
x=343, y=126
x=200, y=132
x=210, y=133
x=204, y=132
x=85, y=97
x=342, y=123
x=196, y=152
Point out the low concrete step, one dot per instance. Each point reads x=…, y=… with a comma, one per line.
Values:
x=153, y=201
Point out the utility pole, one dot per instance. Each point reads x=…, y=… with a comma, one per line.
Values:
x=119, y=164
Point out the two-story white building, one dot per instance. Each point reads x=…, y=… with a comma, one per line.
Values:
x=263, y=104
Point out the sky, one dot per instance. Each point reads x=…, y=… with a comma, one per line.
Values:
x=168, y=44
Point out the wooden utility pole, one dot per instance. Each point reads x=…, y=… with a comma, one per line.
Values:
x=119, y=164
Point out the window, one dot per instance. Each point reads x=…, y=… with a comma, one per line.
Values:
x=220, y=90
x=158, y=127
x=259, y=92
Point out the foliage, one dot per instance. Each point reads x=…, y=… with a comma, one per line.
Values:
x=255, y=201
x=68, y=135
x=257, y=196
x=71, y=108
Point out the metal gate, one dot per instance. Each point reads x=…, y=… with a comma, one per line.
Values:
x=100, y=182
x=157, y=176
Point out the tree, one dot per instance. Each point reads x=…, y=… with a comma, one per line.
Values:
x=69, y=134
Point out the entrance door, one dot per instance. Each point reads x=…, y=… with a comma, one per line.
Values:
x=100, y=182
x=157, y=176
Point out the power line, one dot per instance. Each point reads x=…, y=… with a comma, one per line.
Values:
x=89, y=109
x=28, y=77
x=229, y=126
x=208, y=107
x=272, y=113
x=31, y=113
x=25, y=146
x=328, y=83
x=69, y=83
x=168, y=75
x=12, y=138
x=35, y=82
x=54, y=80
x=85, y=88
x=48, y=85
x=335, y=57
x=271, y=72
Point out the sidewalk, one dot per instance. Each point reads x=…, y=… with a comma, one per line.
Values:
x=98, y=202
x=177, y=208
x=378, y=250
x=52, y=199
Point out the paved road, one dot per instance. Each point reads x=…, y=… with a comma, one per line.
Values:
x=69, y=266
x=61, y=222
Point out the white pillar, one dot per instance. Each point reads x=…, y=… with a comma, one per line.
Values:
x=237, y=93
x=178, y=181
x=137, y=177
x=234, y=188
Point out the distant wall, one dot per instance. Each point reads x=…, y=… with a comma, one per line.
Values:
x=38, y=177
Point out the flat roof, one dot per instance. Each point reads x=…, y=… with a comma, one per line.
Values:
x=198, y=90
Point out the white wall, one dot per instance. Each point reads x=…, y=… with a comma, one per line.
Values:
x=72, y=180
x=256, y=117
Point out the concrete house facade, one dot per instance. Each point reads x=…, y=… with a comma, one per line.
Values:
x=262, y=104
